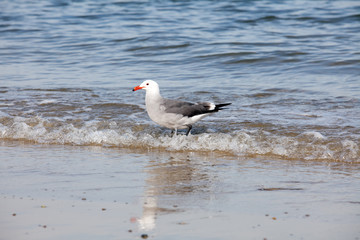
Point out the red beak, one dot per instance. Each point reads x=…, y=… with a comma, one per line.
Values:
x=137, y=88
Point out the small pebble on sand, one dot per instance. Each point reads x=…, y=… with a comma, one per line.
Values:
x=144, y=236
x=181, y=223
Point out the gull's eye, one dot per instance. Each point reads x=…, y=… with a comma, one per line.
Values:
x=147, y=83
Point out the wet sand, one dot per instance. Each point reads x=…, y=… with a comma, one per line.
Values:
x=67, y=192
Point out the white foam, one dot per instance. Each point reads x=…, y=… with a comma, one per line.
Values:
x=47, y=101
x=315, y=135
x=350, y=148
x=123, y=134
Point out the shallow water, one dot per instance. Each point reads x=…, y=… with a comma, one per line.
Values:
x=59, y=192
x=263, y=124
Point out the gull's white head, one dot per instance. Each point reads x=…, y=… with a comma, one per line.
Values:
x=148, y=85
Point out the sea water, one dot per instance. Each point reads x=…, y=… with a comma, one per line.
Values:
x=291, y=71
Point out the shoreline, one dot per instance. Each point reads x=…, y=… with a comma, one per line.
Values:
x=59, y=192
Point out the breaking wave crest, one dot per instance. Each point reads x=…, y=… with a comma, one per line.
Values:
x=305, y=145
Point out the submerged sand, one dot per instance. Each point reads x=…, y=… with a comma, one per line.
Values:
x=67, y=192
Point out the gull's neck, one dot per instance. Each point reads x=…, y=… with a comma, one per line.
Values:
x=153, y=95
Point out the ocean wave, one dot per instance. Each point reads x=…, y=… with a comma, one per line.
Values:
x=254, y=143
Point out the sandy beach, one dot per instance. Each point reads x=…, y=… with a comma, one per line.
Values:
x=67, y=192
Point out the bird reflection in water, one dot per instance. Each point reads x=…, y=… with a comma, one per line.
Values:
x=172, y=185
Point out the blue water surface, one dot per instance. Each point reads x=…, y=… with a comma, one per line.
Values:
x=235, y=45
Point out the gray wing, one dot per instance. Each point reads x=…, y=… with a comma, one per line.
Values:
x=186, y=108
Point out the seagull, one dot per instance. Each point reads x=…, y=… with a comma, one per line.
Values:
x=174, y=114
